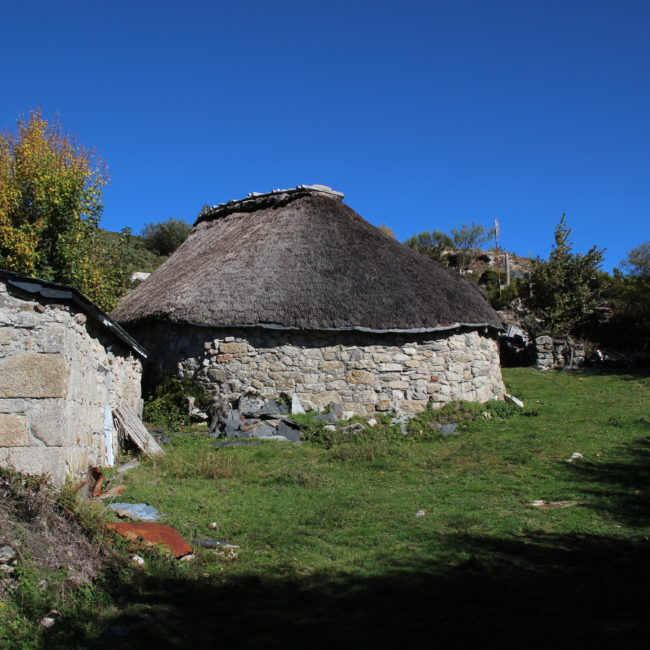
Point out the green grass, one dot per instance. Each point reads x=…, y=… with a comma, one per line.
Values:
x=331, y=549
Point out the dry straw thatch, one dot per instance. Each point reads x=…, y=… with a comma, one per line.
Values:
x=302, y=259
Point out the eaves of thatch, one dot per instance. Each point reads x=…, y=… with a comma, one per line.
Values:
x=302, y=259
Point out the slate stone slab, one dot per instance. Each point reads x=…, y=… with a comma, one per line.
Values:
x=262, y=431
x=232, y=432
x=271, y=407
x=449, y=429
x=135, y=511
x=290, y=433
x=296, y=406
x=330, y=418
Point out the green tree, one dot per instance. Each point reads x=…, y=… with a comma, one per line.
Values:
x=638, y=260
x=466, y=238
x=50, y=206
x=430, y=244
x=565, y=288
x=165, y=237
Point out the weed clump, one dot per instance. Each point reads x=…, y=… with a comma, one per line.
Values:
x=428, y=423
x=166, y=405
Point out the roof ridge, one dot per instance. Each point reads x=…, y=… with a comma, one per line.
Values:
x=278, y=194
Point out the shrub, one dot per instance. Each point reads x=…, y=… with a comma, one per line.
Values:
x=166, y=405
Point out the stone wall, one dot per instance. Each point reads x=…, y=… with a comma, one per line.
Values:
x=364, y=372
x=559, y=353
x=59, y=371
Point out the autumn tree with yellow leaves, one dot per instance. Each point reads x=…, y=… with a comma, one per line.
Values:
x=50, y=206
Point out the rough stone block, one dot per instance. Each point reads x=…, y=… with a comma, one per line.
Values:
x=233, y=348
x=47, y=423
x=383, y=405
x=412, y=405
x=360, y=377
x=13, y=431
x=36, y=460
x=29, y=374
x=330, y=366
x=390, y=367
x=224, y=358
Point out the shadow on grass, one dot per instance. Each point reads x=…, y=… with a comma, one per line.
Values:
x=620, y=487
x=529, y=592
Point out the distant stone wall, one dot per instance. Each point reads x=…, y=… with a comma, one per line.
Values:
x=559, y=353
x=364, y=372
x=58, y=373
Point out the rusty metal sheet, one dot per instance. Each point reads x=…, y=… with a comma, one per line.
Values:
x=151, y=534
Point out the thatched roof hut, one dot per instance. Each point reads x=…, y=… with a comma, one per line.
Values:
x=302, y=259
x=277, y=285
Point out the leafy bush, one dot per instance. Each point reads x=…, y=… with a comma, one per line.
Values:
x=165, y=237
x=166, y=405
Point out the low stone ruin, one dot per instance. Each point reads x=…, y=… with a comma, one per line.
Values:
x=559, y=353
x=254, y=417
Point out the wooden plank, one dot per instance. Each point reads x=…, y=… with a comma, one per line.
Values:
x=131, y=425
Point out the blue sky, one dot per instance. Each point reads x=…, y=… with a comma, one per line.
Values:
x=426, y=115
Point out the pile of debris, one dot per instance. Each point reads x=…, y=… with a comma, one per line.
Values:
x=252, y=416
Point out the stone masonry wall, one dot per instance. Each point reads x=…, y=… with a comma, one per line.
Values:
x=364, y=372
x=58, y=372
x=559, y=353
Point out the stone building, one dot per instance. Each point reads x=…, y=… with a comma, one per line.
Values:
x=64, y=365
x=293, y=292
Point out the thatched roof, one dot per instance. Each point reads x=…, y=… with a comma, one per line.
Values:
x=302, y=259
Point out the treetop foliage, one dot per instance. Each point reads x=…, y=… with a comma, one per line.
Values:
x=430, y=244
x=638, y=260
x=565, y=288
x=433, y=244
x=50, y=206
x=165, y=237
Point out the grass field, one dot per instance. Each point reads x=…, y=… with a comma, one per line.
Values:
x=421, y=541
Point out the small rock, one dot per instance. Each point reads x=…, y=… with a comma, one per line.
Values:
x=514, y=400
x=330, y=427
x=213, y=524
x=6, y=569
x=486, y=415
x=372, y=422
x=576, y=455
x=190, y=557
x=137, y=560
x=420, y=513
x=448, y=429
x=199, y=415
x=52, y=617
x=7, y=554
